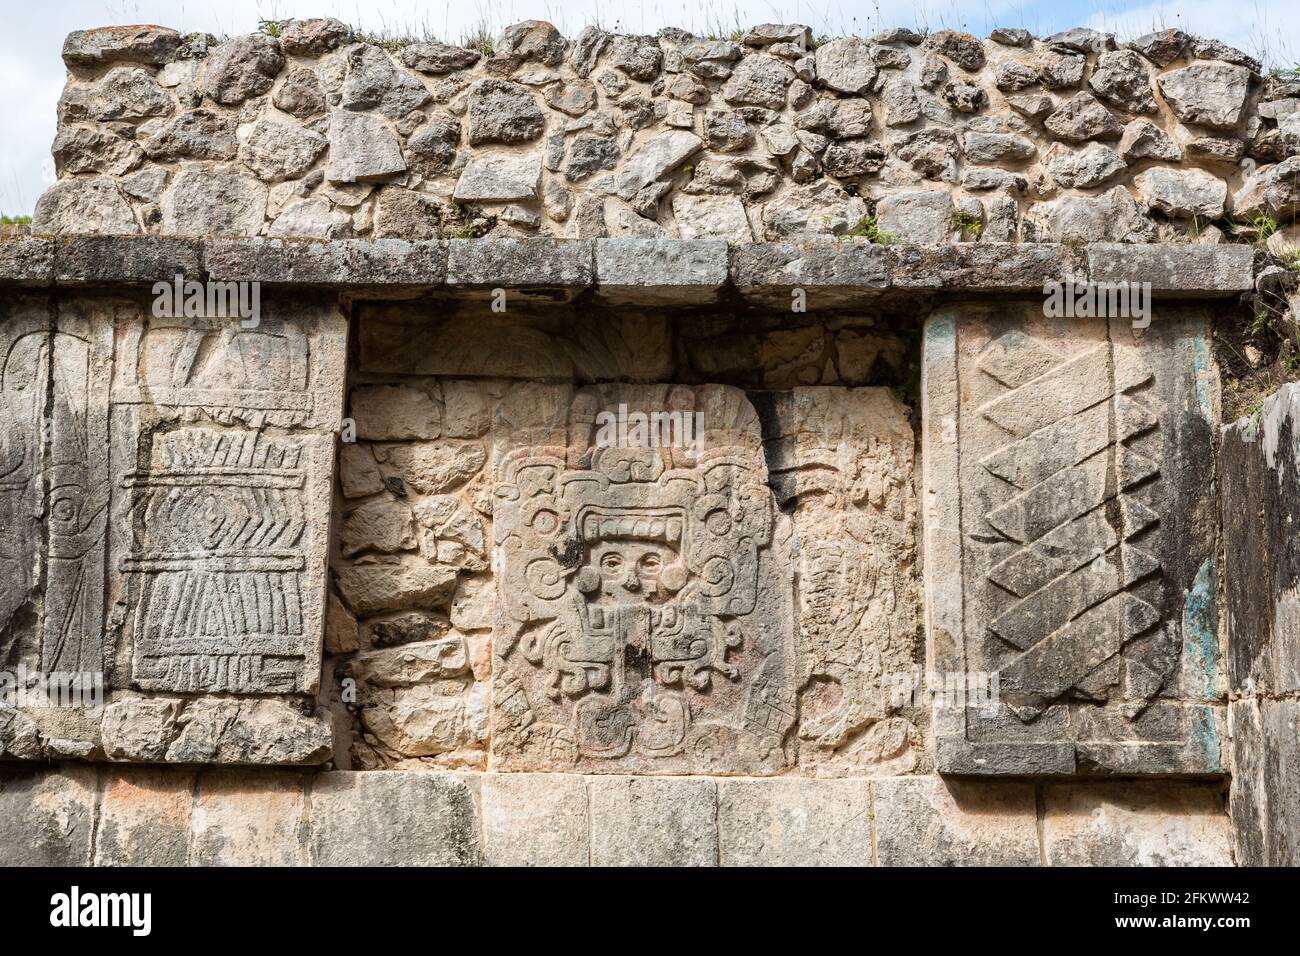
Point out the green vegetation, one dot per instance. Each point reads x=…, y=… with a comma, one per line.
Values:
x=967, y=222
x=15, y=220
x=869, y=229
x=270, y=27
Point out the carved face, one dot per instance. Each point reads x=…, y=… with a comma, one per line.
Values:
x=629, y=571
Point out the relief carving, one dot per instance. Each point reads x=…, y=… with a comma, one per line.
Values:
x=642, y=598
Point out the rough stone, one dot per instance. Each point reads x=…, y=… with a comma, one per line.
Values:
x=239, y=819
x=758, y=80
x=500, y=177
x=130, y=93
x=279, y=151
x=1135, y=824
x=794, y=823
x=46, y=817
x=1183, y=193
x=534, y=819
x=648, y=821
x=1143, y=139
x=300, y=94
x=503, y=112
x=363, y=148
x=923, y=217
x=1090, y=166
x=203, y=203
x=195, y=134
x=242, y=68
x=1082, y=118
x=373, y=82
x=127, y=44
x=84, y=206
x=1121, y=79
x=845, y=65
x=712, y=217
x=932, y=821
x=1207, y=94
x=144, y=819
x=380, y=818
x=436, y=58
x=313, y=37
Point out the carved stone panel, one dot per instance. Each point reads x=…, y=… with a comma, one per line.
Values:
x=223, y=463
x=1070, y=541
x=54, y=486
x=644, y=617
x=841, y=461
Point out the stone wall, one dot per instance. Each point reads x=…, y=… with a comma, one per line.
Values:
x=940, y=138
x=1260, y=459
x=368, y=580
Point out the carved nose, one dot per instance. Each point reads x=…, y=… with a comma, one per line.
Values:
x=631, y=582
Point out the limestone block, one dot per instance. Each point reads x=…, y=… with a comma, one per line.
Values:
x=643, y=594
x=654, y=821
x=931, y=821
x=391, y=818
x=1135, y=824
x=534, y=819
x=47, y=816
x=793, y=822
x=144, y=818
x=841, y=463
x=243, y=818
x=1070, y=543
x=261, y=498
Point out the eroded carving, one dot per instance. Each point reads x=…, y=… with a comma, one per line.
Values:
x=642, y=597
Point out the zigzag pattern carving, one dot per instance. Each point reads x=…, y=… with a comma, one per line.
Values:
x=1068, y=471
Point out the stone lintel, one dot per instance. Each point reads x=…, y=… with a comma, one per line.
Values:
x=645, y=270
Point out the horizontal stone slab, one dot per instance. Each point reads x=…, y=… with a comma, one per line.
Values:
x=83, y=815
x=653, y=270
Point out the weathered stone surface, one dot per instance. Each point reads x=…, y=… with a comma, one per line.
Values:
x=758, y=81
x=1135, y=824
x=1121, y=79
x=1183, y=193
x=144, y=819
x=437, y=58
x=148, y=44
x=1086, y=168
x=1207, y=94
x=1161, y=47
x=1106, y=663
x=1082, y=118
x=242, y=67
x=363, y=148
x=962, y=48
x=631, y=592
x=373, y=82
x=1112, y=216
x=845, y=65
x=655, y=159
x=818, y=211
x=383, y=818
x=46, y=817
x=313, y=37
x=1273, y=191
x=497, y=177
x=649, y=821
x=932, y=821
x=241, y=819
x=300, y=94
x=129, y=93
x=1143, y=139
x=794, y=823
x=84, y=206
x=638, y=57
x=278, y=151
x=79, y=149
x=202, y=203
x=315, y=219
x=195, y=134
x=503, y=112
x=266, y=731
x=712, y=217
x=922, y=217
x=534, y=819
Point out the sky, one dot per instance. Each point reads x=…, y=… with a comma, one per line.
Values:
x=33, y=36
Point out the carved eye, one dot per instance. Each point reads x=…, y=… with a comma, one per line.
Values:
x=65, y=504
x=546, y=522
x=651, y=563
x=612, y=563
x=718, y=522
